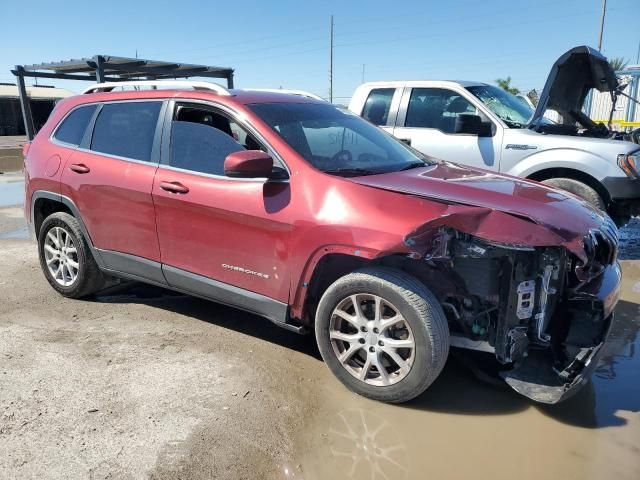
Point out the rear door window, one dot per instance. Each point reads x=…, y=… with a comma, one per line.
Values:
x=376, y=108
x=126, y=129
x=72, y=128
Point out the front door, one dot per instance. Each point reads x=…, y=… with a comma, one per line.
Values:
x=427, y=121
x=233, y=231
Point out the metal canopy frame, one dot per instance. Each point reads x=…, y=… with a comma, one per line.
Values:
x=109, y=68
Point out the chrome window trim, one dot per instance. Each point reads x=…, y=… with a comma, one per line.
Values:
x=169, y=107
x=234, y=114
x=55, y=141
x=116, y=157
x=223, y=177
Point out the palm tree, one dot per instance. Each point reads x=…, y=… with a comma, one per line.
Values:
x=505, y=84
x=618, y=63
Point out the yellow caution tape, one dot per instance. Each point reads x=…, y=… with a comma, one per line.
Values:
x=622, y=123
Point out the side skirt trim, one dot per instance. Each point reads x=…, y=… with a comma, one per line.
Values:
x=231, y=295
x=133, y=265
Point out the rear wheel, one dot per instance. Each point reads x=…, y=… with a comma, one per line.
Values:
x=65, y=258
x=382, y=333
x=579, y=189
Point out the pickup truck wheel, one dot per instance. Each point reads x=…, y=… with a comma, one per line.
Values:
x=578, y=188
x=65, y=258
x=382, y=333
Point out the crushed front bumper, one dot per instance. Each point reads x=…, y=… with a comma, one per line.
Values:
x=536, y=378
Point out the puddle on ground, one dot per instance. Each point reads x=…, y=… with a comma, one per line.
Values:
x=20, y=233
x=11, y=193
x=464, y=428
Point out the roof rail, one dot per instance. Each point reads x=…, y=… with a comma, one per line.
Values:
x=301, y=93
x=109, y=86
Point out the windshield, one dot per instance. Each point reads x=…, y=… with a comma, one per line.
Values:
x=337, y=141
x=511, y=110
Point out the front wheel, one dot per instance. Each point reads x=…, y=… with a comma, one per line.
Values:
x=579, y=189
x=382, y=333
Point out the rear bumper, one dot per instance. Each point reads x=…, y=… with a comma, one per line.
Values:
x=536, y=377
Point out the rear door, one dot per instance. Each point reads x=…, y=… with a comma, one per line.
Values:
x=426, y=121
x=110, y=177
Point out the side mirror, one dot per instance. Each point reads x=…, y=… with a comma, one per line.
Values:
x=248, y=164
x=472, y=125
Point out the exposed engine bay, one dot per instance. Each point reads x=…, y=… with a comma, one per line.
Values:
x=539, y=310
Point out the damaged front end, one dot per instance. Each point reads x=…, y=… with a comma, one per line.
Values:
x=542, y=311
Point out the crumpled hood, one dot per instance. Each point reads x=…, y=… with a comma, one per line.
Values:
x=571, y=78
x=567, y=216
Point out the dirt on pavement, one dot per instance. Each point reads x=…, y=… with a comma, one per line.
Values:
x=140, y=382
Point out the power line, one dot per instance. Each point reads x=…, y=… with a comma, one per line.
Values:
x=474, y=30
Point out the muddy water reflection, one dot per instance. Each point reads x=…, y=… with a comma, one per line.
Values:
x=464, y=428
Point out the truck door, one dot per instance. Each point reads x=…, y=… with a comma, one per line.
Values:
x=426, y=120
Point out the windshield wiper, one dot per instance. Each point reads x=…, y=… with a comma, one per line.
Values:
x=353, y=172
x=413, y=165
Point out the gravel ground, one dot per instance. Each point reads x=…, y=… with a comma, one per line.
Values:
x=144, y=383
x=140, y=382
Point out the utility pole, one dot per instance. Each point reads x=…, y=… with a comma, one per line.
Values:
x=604, y=11
x=331, y=62
x=638, y=55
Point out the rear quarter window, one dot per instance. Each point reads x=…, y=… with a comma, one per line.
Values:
x=126, y=129
x=376, y=108
x=72, y=128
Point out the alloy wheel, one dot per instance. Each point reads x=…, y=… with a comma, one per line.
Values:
x=371, y=339
x=61, y=256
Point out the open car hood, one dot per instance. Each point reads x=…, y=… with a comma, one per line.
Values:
x=571, y=78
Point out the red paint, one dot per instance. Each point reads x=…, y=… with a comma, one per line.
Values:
x=248, y=164
x=284, y=229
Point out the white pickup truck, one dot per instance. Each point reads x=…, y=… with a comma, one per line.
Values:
x=483, y=126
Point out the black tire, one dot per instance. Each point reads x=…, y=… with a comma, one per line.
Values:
x=579, y=189
x=89, y=278
x=420, y=309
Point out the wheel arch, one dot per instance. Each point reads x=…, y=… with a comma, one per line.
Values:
x=45, y=203
x=580, y=176
x=337, y=261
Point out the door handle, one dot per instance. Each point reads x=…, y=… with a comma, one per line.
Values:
x=406, y=141
x=79, y=168
x=174, y=187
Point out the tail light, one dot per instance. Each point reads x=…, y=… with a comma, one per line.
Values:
x=25, y=149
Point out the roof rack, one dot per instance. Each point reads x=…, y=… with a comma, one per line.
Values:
x=109, y=86
x=301, y=93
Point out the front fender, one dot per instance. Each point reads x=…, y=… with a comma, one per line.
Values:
x=571, y=158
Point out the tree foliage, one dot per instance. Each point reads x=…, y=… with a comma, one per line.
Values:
x=618, y=63
x=505, y=84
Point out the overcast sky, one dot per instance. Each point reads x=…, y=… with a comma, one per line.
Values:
x=286, y=43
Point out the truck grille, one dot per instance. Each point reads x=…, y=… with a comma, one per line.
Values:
x=601, y=244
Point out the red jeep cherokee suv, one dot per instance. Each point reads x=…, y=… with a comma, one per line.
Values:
x=300, y=212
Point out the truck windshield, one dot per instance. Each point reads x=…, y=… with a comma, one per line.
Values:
x=511, y=110
x=337, y=141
